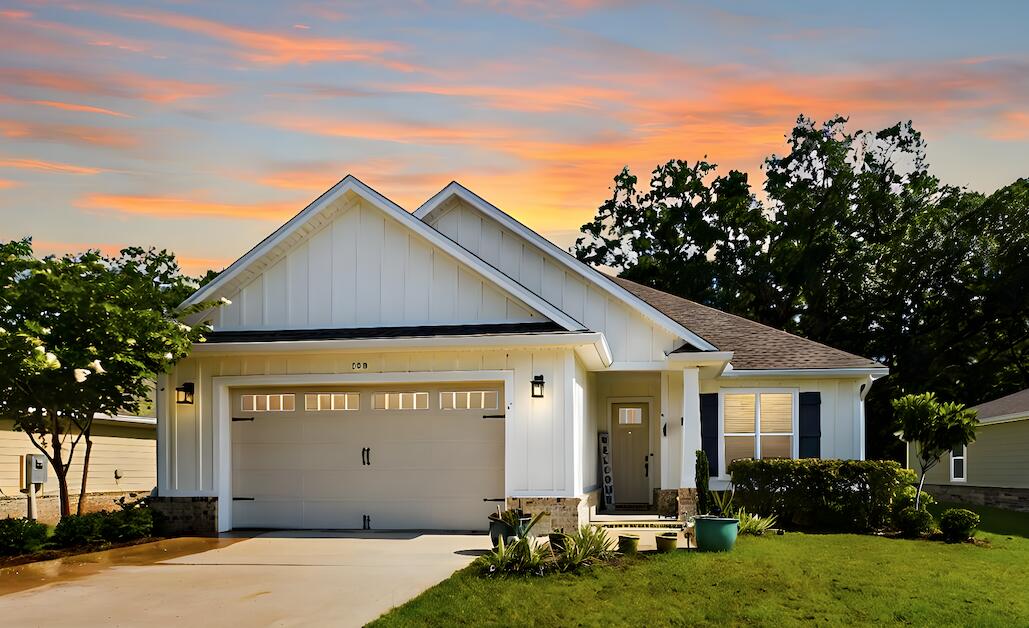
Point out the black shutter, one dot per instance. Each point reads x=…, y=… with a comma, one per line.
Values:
x=709, y=430
x=810, y=425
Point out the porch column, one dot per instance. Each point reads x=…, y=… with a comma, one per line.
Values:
x=690, y=426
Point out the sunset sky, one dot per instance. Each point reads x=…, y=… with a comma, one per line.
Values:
x=201, y=126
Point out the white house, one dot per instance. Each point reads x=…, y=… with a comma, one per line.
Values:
x=391, y=370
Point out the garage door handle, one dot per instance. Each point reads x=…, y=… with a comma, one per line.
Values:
x=369, y=456
x=493, y=499
x=364, y=456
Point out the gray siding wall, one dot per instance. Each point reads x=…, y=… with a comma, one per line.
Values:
x=998, y=457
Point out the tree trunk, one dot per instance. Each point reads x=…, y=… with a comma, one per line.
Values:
x=85, y=470
x=918, y=493
x=60, y=470
x=62, y=485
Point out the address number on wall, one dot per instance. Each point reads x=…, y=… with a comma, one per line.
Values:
x=359, y=366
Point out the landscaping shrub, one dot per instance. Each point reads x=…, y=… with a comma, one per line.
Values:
x=906, y=497
x=522, y=556
x=703, y=483
x=754, y=524
x=20, y=536
x=958, y=524
x=913, y=522
x=585, y=547
x=75, y=530
x=853, y=495
x=128, y=524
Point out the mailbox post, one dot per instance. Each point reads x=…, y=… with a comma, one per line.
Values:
x=35, y=476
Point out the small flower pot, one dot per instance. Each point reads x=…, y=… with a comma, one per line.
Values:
x=558, y=541
x=667, y=542
x=628, y=544
x=716, y=534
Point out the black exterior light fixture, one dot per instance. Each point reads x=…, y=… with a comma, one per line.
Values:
x=537, y=387
x=184, y=393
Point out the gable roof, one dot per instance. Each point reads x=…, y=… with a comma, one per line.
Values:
x=669, y=324
x=754, y=346
x=1012, y=406
x=351, y=184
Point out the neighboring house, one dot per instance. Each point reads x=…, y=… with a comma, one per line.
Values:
x=994, y=470
x=387, y=370
x=123, y=461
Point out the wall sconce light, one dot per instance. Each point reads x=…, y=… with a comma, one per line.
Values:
x=537, y=387
x=184, y=393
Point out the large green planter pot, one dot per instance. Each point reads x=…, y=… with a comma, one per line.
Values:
x=716, y=534
x=667, y=542
x=628, y=544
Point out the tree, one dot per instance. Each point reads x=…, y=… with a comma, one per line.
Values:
x=854, y=245
x=935, y=428
x=86, y=334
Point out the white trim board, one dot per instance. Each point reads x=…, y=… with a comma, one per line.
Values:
x=351, y=183
x=556, y=253
x=222, y=440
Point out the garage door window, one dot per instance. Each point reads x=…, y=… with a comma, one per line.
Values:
x=268, y=403
x=468, y=400
x=316, y=402
x=400, y=401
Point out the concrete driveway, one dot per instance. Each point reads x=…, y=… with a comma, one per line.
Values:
x=272, y=579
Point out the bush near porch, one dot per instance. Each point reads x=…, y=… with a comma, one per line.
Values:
x=825, y=495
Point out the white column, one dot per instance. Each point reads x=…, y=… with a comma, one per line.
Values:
x=691, y=426
x=666, y=416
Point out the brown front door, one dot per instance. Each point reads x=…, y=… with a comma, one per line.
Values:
x=630, y=429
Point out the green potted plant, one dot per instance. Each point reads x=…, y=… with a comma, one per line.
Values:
x=558, y=540
x=628, y=544
x=505, y=524
x=667, y=542
x=716, y=531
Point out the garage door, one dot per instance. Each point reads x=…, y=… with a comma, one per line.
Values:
x=395, y=458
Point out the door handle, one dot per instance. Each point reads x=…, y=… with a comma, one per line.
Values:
x=646, y=466
x=369, y=456
x=364, y=457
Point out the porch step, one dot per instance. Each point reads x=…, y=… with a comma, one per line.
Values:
x=647, y=524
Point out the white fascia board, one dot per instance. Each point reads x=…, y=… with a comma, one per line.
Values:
x=138, y=420
x=1004, y=418
x=392, y=345
x=874, y=372
x=555, y=252
x=700, y=357
x=352, y=183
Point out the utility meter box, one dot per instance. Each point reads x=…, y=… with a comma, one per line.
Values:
x=35, y=469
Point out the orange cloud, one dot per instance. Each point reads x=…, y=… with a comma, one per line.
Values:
x=542, y=98
x=176, y=207
x=190, y=265
x=198, y=266
x=401, y=132
x=1013, y=126
x=265, y=48
x=48, y=166
x=128, y=85
x=68, y=134
x=7, y=184
x=66, y=106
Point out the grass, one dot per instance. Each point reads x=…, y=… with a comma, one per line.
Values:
x=767, y=581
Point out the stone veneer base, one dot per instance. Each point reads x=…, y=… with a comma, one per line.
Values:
x=1009, y=498
x=48, y=507
x=186, y=515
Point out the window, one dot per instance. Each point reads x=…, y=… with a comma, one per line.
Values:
x=400, y=401
x=757, y=425
x=281, y=402
x=957, y=463
x=468, y=400
x=630, y=416
x=314, y=402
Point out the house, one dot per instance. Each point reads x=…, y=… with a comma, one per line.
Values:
x=123, y=462
x=993, y=470
x=382, y=369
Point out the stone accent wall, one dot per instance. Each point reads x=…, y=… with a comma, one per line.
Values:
x=687, y=502
x=564, y=512
x=667, y=500
x=1009, y=498
x=48, y=507
x=186, y=515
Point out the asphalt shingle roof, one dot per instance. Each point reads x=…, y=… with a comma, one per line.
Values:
x=754, y=346
x=1015, y=403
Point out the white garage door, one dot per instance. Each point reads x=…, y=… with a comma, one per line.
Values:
x=394, y=458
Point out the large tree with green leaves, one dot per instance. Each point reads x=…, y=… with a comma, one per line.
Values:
x=82, y=335
x=853, y=243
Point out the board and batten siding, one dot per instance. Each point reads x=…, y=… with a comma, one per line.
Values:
x=631, y=337
x=129, y=449
x=999, y=457
x=540, y=454
x=362, y=268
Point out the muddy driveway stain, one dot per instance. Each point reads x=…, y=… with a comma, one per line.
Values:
x=31, y=575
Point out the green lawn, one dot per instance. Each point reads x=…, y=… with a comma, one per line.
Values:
x=995, y=520
x=769, y=581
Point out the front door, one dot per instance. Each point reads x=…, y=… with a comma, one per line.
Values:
x=630, y=427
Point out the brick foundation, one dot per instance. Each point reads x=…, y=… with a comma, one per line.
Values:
x=186, y=515
x=667, y=500
x=1009, y=498
x=565, y=512
x=48, y=507
x=686, y=499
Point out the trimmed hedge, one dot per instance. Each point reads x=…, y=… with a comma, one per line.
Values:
x=913, y=522
x=958, y=524
x=811, y=493
x=98, y=528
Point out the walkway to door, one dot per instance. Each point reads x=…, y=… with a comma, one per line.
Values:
x=273, y=579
